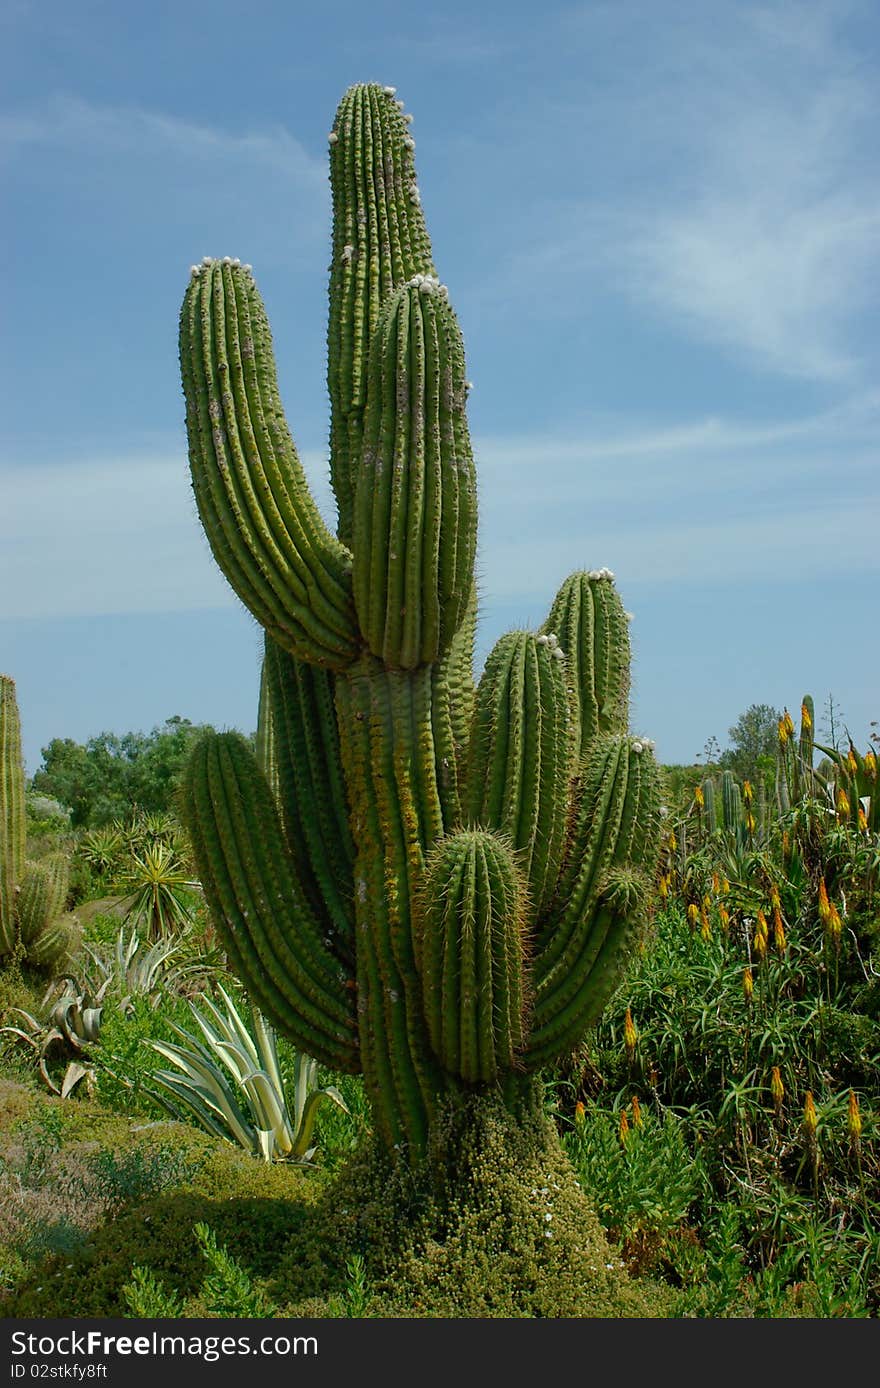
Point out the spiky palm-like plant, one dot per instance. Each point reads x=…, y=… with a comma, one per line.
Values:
x=428, y=882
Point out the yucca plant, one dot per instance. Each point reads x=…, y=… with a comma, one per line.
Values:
x=230, y=1081
x=159, y=884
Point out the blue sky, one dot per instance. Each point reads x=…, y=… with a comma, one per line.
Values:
x=659, y=225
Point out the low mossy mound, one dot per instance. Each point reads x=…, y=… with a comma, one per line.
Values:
x=494, y=1225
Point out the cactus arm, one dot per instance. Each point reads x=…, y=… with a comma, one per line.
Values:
x=268, y=929
x=263, y=526
x=589, y=622
x=12, y=813
x=452, y=707
x=310, y=787
x=521, y=756
x=616, y=831
x=42, y=896
x=379, y=242
x=471, y=921
x=415, y=497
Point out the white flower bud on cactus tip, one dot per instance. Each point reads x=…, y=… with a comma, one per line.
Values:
x=194, y=269
x=206, y=260
x=541, y=641
x=390, y=91
x=247, y=267
x=638, y=747
x=558, y=653
x=332, y=137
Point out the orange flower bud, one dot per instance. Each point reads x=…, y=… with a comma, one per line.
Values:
x=630, y=1035
x=789, y=723
x=863, y=823
x=716, y=883
x=782, y=732
x=698, y=797
x=747, y=792
x=851, y=761
x=811, y=1121
x=778, y=932
x=579, y=1114
x=623, y=1130
x=724, y=918
x=637, y=1111
x=774, y=897
x=777, y=1089
x=842, y=803
x=806, y=720
x=871, y=764
x=748, y=985
x=824, y=907
x=705, y=928
x=693, y=913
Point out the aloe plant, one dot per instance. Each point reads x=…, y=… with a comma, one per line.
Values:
x=230, y=1081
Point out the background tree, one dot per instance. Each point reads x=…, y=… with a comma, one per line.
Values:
x=753, y=740
x=110, y=775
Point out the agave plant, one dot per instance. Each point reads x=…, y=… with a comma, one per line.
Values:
x=230, y=1082
x=136, y=970
x=72, y=1024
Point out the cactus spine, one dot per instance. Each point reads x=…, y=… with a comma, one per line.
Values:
x=33, y=925
x=432, y=883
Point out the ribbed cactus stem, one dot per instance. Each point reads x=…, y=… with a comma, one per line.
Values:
x=589, y=621
x=12, y=812
x=379, y=242
x=415, y=523
x=473, y=955
x=264, y=528
x=521, y=756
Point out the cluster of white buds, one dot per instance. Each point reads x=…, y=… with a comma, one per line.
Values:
x=332, y=138
x=414, y=194
x=643, y=744
x=428, y=284
x=600, y=573
x=409, y=142
x=390, y=91
x=347, y=252
x=208, y=260
x=629, y=616
x=551, y=641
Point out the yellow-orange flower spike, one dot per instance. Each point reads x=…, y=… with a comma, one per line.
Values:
x=789, y=723
x=777, y=1088
x=835, y=925
x=811, y=1122
x=782, y=733
x=693, y=913
x=761, y=937
x=724, y=918
x=774, y=897
x=851, y=759
x=672, y=841
x=778, y=933
x=806, y=720
x=630, y=1035
x=579, y=1114
x=725, y=886
x=663, y=887
x=871, y=764
x=623, y=1130
x=698, y=797
x=747, y=792
x=853, y=1118
x=748, y=985
x=842, y=803
x=824, y=905
x=705, y=928
x=863, y=823
x=637, y=1111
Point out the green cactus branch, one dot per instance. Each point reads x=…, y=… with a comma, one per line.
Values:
x=33, y=923
x=433, y=882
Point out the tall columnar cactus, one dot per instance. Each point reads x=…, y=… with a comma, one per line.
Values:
x=33, y=925
x=435, y=884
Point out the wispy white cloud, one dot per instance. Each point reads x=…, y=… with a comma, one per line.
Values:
x=748, y=213
x=754, y=501
x=71, y=123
